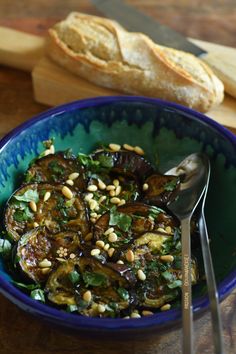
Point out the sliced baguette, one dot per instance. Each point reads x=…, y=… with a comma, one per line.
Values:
x=103, y=52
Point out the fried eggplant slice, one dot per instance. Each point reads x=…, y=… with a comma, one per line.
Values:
x=130, y=221
x=161, y=189
x=57, y=168
x=27, y=207
x=126, y=163
x=96, y=289
x=38, y=252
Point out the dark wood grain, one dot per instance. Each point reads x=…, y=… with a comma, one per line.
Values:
x=20, y=333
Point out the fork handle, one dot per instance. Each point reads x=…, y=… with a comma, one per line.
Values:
x=211, y=285
x=187, y=315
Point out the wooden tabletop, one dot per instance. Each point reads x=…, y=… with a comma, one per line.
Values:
x=21, y=333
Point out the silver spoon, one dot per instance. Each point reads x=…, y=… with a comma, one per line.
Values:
x=187, y=167
x=191, y=191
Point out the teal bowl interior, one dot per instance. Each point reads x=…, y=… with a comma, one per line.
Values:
x=167, y=133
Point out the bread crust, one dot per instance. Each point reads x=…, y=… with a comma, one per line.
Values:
x=101, y=51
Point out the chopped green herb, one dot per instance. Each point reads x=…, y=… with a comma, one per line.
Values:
x=38, y=294
x=29, y=196
x=124, y=294
x=74, y=277
x=167, y=276
x=170, y=186
x=123, y=221
x=94, y=279
x=87, y=160
x=106, y=161
x=82, y=305
x=72, y=308
x=22, y=215
x=154, y=212
x=175, y=284
x=5, y=247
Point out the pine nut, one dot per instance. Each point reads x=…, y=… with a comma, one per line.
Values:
x=93, y=204
x=110, y=187
x=112, y=237
x=102, y=198
x=126, y=317
x=167, y=258
x=88, y=197
x=116, y=182
x=100, y=243
x=138, y=150
x=114, y=147
x=129, y=256
x=145, y=187
x=118, y=190
x=35, y=224
x=108, y=231
x=112, y=193
x=141, y=275
x=128, y=147
x=101, y=185
x=93, y=220
x=73, y=176
x=72, y=256
x=45, y=263
x=168, y=229
x=70, y=182
x=122, y=202
x=47, y=195
x=33, y=206
x=101, y=308
x=160, y=229
x=47, y=152
x=165, y=307
x=120, y=262
x=135, y=315
x=115, y=200
x=45, y=270
x=95, y=252
x=92, y=188
x=67, y=192
x=147, y=313
x=106, y=247
x=52, y=149
x=94, y=215
x=111, y=251
x=88, y=237
x=87, y=296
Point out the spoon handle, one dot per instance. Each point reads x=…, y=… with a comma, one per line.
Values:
x=187, y=316
x=211, y=284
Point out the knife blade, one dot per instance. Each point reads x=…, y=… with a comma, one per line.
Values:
x=133, y=20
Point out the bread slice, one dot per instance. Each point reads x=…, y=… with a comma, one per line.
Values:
x=103, y=52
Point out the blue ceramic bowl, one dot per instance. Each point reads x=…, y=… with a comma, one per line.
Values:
x=165, y=131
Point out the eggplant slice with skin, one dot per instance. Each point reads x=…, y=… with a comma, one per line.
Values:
x=57, y=168
x=131, y=221
x=27, y=208
x=105, y=285
x=162, y=189
x=126, y=163
x=39, y=252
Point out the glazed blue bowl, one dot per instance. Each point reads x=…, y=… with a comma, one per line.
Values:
x=168, y=133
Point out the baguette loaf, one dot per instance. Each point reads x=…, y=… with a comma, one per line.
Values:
x=103, y=52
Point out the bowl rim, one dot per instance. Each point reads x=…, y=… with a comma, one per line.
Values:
x=163, y=319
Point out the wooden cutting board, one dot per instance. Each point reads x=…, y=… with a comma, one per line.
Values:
x=54, y=85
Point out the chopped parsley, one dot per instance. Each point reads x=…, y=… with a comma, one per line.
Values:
x=171, y=185
x=123, y=293
x=94, y=279
x=30, y=195
x=5, y=247
x=121, y=220
x=38, y=294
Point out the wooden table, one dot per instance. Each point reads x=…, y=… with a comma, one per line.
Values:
x=208, y=20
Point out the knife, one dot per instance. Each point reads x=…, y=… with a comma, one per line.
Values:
x=133, y=20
